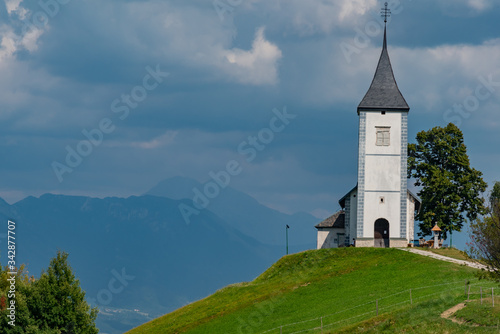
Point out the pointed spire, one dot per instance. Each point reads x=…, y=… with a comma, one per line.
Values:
x=384, y=46
x=384, y=93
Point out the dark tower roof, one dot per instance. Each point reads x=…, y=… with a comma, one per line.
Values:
x=384, y=93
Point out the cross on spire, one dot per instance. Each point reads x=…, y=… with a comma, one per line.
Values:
x=386, y=12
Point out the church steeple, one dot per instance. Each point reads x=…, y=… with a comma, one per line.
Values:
x=379, y=211
x=384, y=93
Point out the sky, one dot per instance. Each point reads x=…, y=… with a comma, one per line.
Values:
x=108, y=98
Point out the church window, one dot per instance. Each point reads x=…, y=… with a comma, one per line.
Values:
x=382, y=200
x=383, y=136
x=382, y=112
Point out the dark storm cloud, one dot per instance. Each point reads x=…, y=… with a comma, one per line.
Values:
x=225, y=77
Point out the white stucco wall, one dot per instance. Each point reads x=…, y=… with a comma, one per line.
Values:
x=382, y=174
x=390, y=119
x=328, y=237
x=388, y=210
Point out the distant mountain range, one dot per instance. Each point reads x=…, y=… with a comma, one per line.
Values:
x=137, y=258
x=244, y=213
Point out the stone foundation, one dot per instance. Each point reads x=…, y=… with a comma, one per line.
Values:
x=365, y=242
x=398, y=243
x=393, y=243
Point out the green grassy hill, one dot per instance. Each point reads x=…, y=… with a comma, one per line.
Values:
x=337, y=287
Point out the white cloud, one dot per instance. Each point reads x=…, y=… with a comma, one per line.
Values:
x=27, y=39
x=463, y=7
x=12, y=42
x=354, y=8
x=480, y=5
x=256, y=66
x=430, y=78
x=451, y=71
x=206, y=46
x=323, y=16
x=160, y=141
x=13, y=6
x=7, y=47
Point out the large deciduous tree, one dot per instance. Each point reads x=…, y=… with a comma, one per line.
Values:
x=58, y=302
x=451, y=188
x=53, y=304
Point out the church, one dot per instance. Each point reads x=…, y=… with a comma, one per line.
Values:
x=379, y=211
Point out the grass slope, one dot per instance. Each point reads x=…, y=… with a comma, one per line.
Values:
x=421, y=318
x=336, y=286
x=483, y=314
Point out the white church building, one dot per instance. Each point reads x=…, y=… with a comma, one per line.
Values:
x=379, y=211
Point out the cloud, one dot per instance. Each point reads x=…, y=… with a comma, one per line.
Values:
x=463, y=7
x=323, y=16
x=19, y=34
x=160, y=141
x=14, y=7
x=12, y=42
x=183, y=36
x=256, y=66
x=433, y=77
x=207, y=46
x=56, y=82
x=7, y=47
x=445, y=75
x=354, y=8
x=479, y=5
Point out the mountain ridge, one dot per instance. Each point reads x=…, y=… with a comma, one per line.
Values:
x=246, y=213
x=173, y=263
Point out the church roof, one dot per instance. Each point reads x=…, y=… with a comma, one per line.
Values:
x=383, y=93
x=337, y=220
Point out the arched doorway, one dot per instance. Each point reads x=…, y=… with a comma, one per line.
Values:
x=381, y=233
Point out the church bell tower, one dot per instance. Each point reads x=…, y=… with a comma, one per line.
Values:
x=382, y=215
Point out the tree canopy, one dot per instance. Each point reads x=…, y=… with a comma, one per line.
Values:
x=451, y=188
x=55, y=303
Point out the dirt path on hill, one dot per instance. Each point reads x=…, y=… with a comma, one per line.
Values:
x=448, y=313
x=445, y=258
